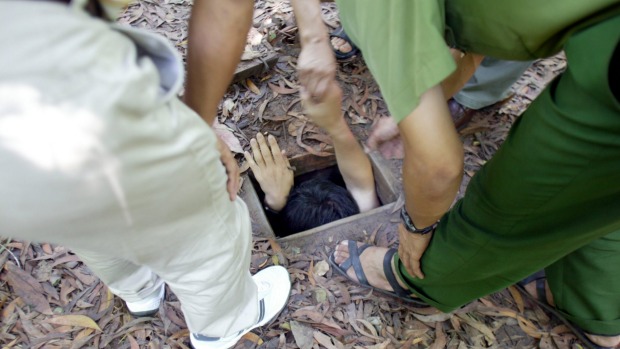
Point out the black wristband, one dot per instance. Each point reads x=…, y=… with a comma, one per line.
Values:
x=408, y=223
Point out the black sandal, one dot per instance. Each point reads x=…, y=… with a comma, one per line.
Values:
x=339, y=33
x=354, y=261
x=541, y=299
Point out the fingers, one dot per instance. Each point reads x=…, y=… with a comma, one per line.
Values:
x=232, y=185
x=411, y=264
x=285, y=160
x=232, y=171
x=276, y=153
x=256, y=153
x=264, y=149
x=265, y=154
x=417, y=271
x=251, y=162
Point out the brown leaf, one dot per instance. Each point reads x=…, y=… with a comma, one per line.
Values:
x=276, y=117
x=27, y=325
x=311, y=274
x=74, y=320
x=320, y=137
x=227, y=136
x=324, y=340
x=132, y=342
x=282, y=90
x=106, y=301
x=82, y=338
x=366, y=324
x=308, y=148
x=528, y=327
x=261, y=109
x=252, y=87
x=321, y=268
x=10, y=309
x=561, y=329
x=66, y=259
x=252, y=337
x=302, y=334
x=546, y=343
x=331, y=328
x=482, y=328
x=26, y=287
x=440, y=337
x=516, y=295
x=411, y=341
x=360, y=111
x=308, y=312
x=84, y=275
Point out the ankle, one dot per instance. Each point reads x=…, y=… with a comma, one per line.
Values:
x=605, y=341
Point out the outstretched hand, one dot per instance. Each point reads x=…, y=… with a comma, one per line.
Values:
x=385, y=137
x=271, y=169
x=411, y=248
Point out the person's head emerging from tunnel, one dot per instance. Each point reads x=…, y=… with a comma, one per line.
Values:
x=316, y=202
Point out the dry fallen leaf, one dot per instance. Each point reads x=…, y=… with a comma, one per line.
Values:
x=303, y=335
x=517, y=297
x=252, y=337
x=321, y=268
x=74, y=320
x=227, y=136
x=28, y=288
x=252, y=87
x=440, y=337
x=324, y=340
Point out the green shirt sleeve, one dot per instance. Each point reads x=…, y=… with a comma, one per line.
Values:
x=403, y=45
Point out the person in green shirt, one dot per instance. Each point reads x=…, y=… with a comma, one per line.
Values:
x=550, y=197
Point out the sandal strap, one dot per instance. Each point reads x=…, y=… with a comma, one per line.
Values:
x=540, y=278
x=541, y=291
x=340, y=33
x=354, y=261
x=389, y=274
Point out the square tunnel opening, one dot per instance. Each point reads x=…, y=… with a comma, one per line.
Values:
x=306, y=167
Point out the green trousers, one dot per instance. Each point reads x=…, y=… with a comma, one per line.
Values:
x=550, y=198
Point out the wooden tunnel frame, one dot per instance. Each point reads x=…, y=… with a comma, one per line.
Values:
x=384, y=179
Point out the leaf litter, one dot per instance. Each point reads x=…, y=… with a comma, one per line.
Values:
x=49, y=299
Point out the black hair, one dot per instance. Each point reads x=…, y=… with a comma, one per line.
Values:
x=316, y=202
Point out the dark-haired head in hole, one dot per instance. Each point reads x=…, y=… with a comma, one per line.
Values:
x=316, y=202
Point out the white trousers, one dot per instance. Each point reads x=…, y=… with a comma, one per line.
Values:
x=97, y=154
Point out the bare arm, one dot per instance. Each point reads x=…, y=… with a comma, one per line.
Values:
x=355, y=167
x=353, y=163
x=433, y=163
x=217, y=37
x=466, y=65
x=316, y=64
x=432, y=171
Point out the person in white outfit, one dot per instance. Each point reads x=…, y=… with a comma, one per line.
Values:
x=99, y=155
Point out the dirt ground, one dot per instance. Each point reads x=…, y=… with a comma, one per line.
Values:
x=49, y=299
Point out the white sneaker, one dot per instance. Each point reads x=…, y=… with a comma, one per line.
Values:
x=274, y=286
x=148, y=306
